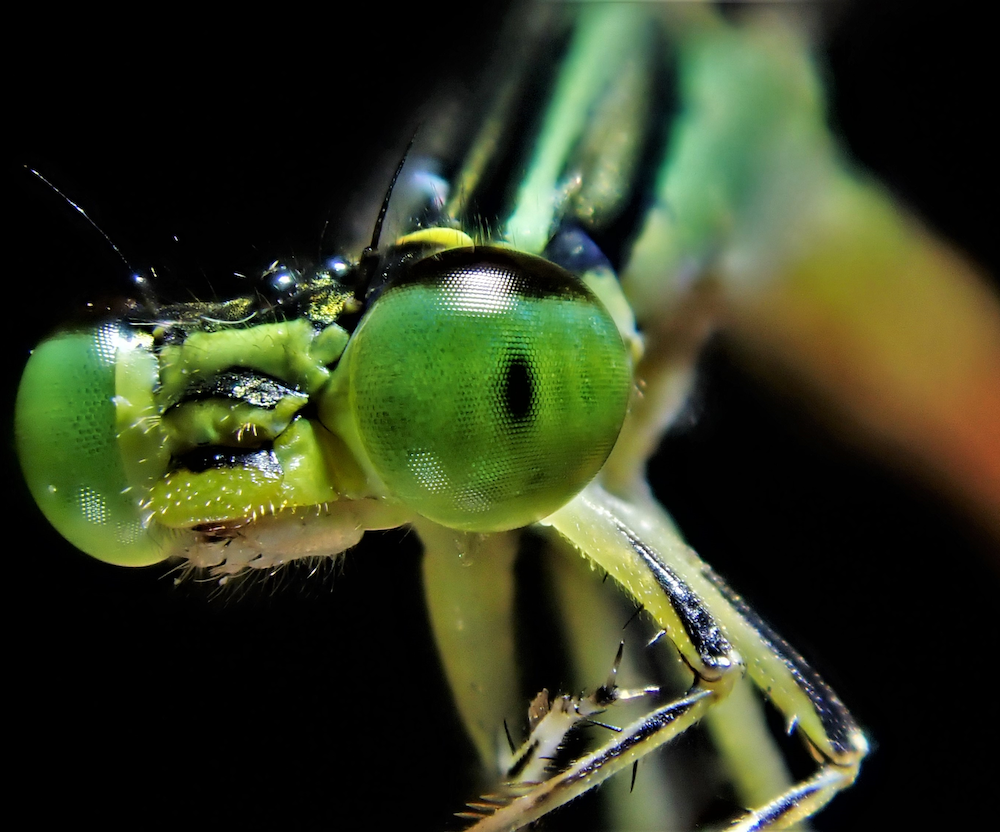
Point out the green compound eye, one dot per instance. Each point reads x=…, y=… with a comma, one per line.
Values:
x=78, y=427
x=488, y=387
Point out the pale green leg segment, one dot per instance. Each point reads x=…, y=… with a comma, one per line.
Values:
x=752, y=761
x=469, y=585
x=593, y=613
x=737, y=724
x=715, y=172
x=590, y=524
x=613, y=534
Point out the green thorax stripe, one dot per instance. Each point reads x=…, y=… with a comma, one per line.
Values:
x=574, y=135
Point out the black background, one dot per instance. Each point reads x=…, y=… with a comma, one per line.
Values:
x=305, y=702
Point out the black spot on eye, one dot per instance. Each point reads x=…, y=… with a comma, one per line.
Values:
x=518, y=388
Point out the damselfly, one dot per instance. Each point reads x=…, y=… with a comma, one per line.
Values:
x=394, y=720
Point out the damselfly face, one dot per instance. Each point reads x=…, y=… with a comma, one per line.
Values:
x=323, y=700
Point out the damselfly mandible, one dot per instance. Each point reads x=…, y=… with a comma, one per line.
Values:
x=392, y=733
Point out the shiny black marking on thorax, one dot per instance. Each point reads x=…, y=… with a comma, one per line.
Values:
x=202, y=459
x=243, y=385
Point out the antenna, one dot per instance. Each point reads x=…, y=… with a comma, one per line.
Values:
x=369, y=261
x=140, y=281
x=373, y=246
x=93, y=224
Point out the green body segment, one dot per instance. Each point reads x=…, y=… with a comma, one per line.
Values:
x=488, y=388
x=241, y=389
x=72, y=448
x=311, y=467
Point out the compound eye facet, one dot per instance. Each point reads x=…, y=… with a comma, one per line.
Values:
x=488, y=387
